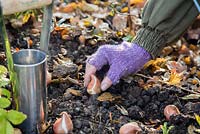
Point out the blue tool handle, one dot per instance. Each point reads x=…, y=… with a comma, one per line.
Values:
x=197, y=5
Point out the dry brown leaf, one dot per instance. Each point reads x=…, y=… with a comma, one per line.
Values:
x=136, y=2
x=86, y=7
x=156, y=64
x=193, y=47
x=176, y=66
x=58, y=28
x=106, y=96
x=175, y=78
x=193, y=71
x=187, y=60
x=74, y=92
x=184, y=49
x=69, y=7
x=192, y=130
x=198, y=74
x=119, y=21
x=167, y=50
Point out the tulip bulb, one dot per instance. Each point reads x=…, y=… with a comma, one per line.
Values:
x=171, y=110
x=63, y=125
x=130, y=128
x=94, y=85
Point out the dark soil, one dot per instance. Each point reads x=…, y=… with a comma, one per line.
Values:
x=91, y=116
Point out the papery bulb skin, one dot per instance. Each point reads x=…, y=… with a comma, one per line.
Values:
x=171, y=110
x=130, y=128
x=94, y=86
x=63, y=125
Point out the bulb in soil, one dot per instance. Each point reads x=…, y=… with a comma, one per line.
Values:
x=171, y=110
x=63, y=125
x=130, y=128
x=94, y=85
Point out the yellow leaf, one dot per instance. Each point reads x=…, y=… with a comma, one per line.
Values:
x=26, y=18
x=124, y=10
x=87, y=23
x=175, y=78
x=106, y=96
x=136, y=2
x=197, y=117
x=155, y=64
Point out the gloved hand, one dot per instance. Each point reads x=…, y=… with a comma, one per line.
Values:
x=123, y=59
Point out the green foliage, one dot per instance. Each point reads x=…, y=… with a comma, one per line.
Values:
x=166, y=129
x=4, y=102
x=3, y=80
x=10, y=63
x=7, y=117
x=128, y=38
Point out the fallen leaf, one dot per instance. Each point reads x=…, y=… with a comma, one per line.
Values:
x=167, y=50
x=122, y=110
x=175, y=78
x=197, y=117
x=119, y=21
x=86, y=7
x=198, y=74
x=193, y=47
x=193, y=71
x=136, y=2
x=124, y=10
x=197, y=60
x=26, y=17
x=74, y=92
x=191, y=96
x=193, y=130
x=68, y=8
x=156, y=64
x=187, y=60
x=184, y=49
x=176, y=66
x=106, y=96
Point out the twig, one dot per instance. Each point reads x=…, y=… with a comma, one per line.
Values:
x=129, y=20
x=67, y=79
x=164, y=82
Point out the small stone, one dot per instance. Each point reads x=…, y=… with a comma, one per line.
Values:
x=136, y=112
x=146, y=98
x=78, y=124
x=67, y=96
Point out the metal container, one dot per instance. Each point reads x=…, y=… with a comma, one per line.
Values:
x=30, y=67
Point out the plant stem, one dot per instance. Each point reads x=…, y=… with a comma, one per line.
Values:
x=10, y=63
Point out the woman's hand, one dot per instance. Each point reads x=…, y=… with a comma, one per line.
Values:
x=123, y=60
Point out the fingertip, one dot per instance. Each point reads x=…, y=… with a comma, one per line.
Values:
x=86, y=80
x=106, y=83
x=90, y=69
